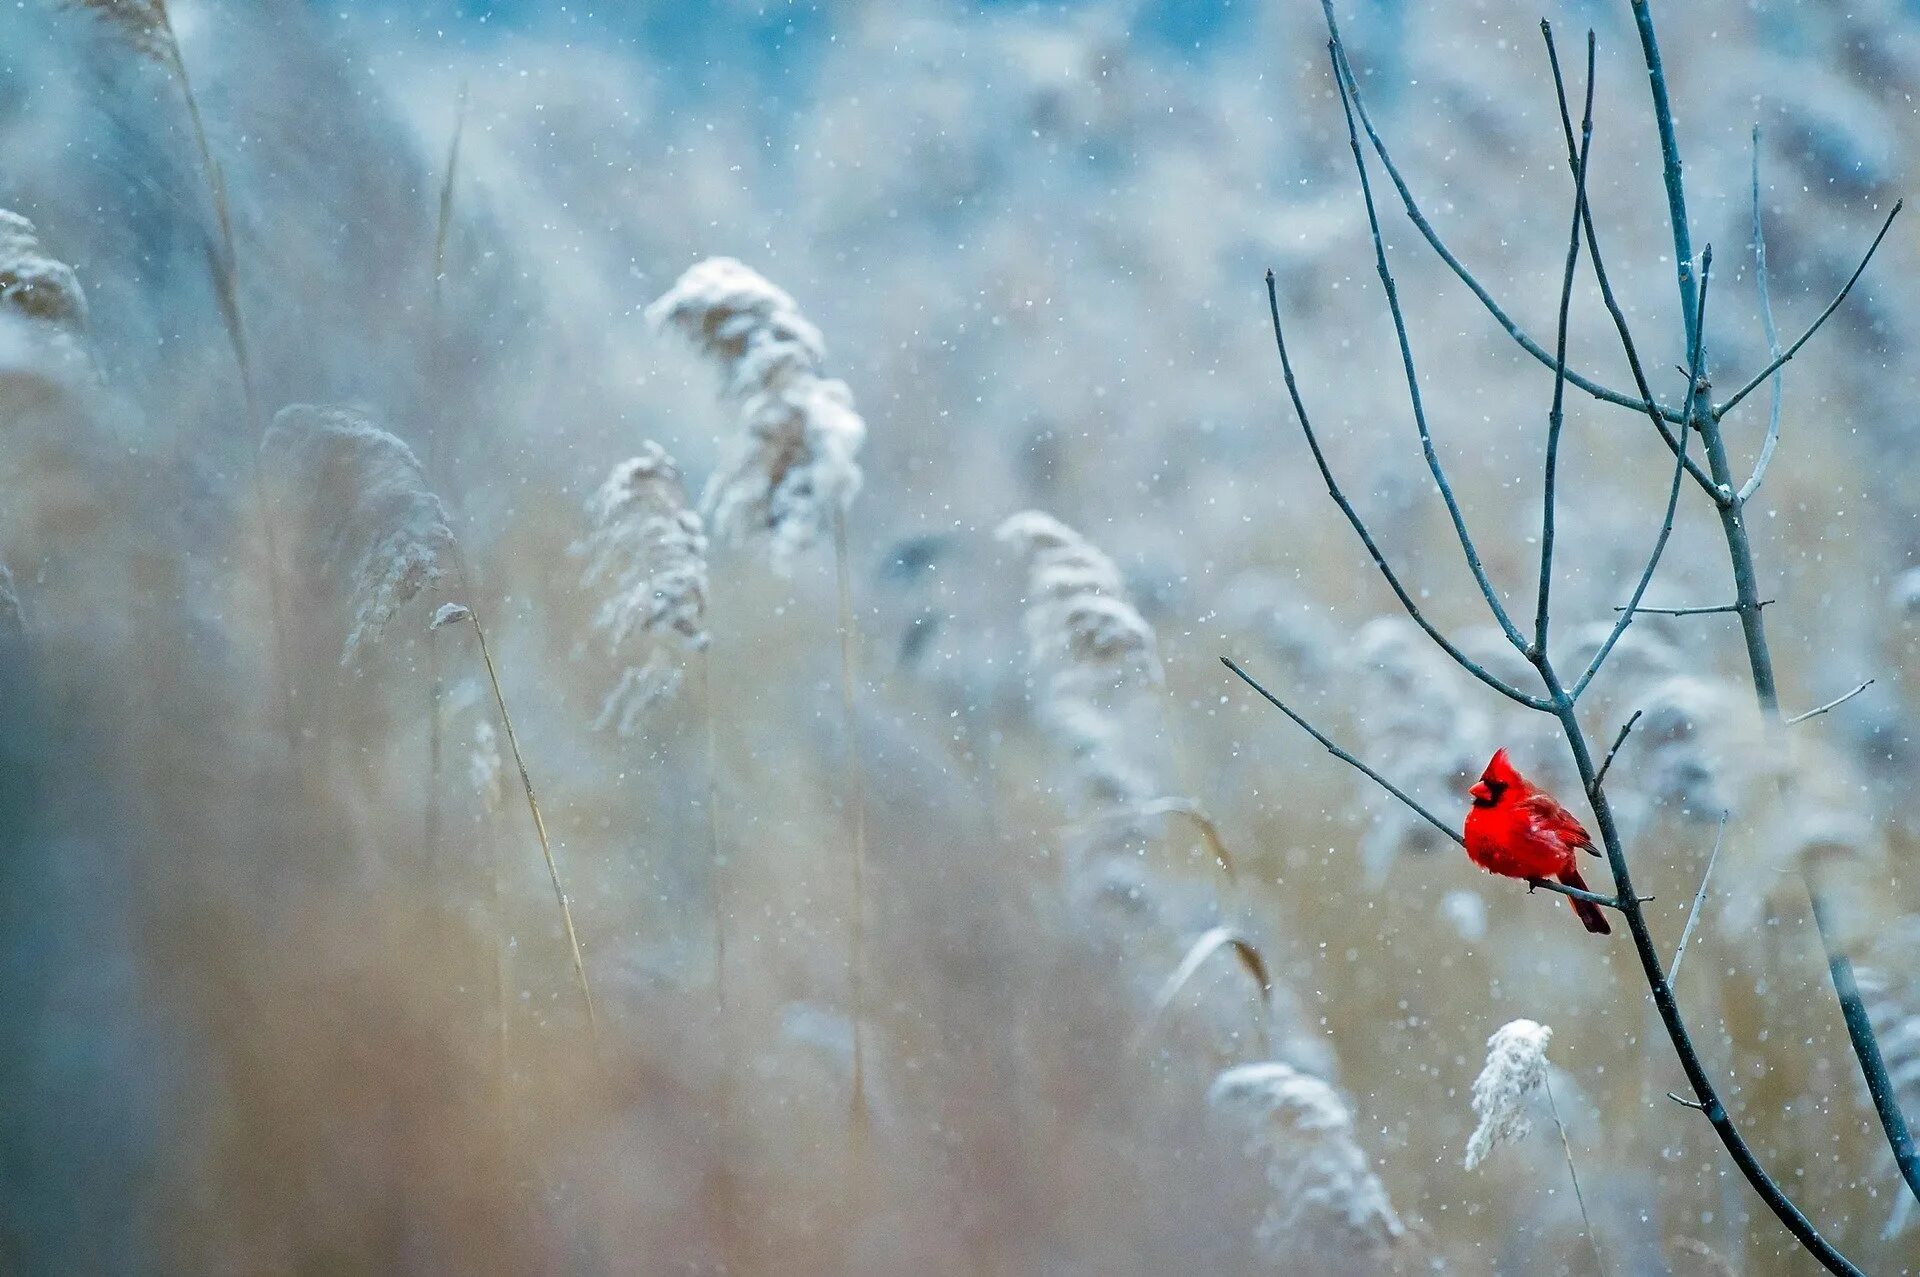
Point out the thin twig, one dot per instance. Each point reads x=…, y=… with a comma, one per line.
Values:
x=1359, y=525
x=1412, y=376
x=1645, y=610
x=1344, y=756
x=1454, y=264
x=1413, y=804
x=1699, y=898
x=1572, y=1174
x=1752, y=485
x=1837, y=701
x=1780, y=360
x=1556, y=416
x=1600, y=777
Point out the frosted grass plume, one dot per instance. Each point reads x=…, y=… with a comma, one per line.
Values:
x=33, y=283
x=1515, y=1070
x=1090, y=652
x=1323, y=1189
x=142, y=24
x=371, y=529
x=793, y=469
x=647, y=554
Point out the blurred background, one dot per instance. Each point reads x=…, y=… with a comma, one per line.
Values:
x=308, y=1007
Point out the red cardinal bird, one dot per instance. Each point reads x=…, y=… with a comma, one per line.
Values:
x=1519, y=831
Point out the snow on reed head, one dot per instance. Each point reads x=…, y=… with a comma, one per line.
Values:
x=1089, y=649
x=1324, y=1193
x=368, y=526
x=648, y=552
x=35, y=285
x=1080, y=624
x=1516, y=1068
x=141, y=23
x=794, y=467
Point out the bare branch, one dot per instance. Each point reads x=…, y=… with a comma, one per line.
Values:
x=1556, y=416
x=1413, y=379
x=1814, y=327
x=1752, y=485
x=1818, y=710
x=1446, y=645
x=1454, y=264
x=1699, y=898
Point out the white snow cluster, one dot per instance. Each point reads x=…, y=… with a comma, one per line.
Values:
x=647, y=554
x=1089, y=651
x=794, y=468
x=364, y=520
x=34, y=284
x=1323, y=1190
x=1516, y=1068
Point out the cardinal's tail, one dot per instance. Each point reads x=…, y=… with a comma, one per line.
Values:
x=1591, y=916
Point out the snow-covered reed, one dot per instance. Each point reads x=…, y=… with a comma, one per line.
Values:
x=646, y=556
x=1515, y=1072
x=793, y=470
x=35, y=284
x=1324, y=1193
x=366, y=525
x=1090, y=652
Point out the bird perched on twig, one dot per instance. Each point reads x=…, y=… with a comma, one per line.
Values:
x=1519, y=831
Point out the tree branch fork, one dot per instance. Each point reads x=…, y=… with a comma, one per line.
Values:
x=1698, y=416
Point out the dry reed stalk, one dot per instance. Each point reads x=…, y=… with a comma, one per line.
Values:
x=1323, y=1189
x=435, y=683
x=1516, y=1067
x=716, y=861
x=146, y=27
x=453, y=614
x=1210, y=942
x=786, y=482
x=857, y=801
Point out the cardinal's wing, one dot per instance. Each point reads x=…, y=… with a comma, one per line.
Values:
x=1550, y=817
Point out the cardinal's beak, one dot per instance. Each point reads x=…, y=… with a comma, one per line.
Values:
x=1480, y=793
